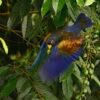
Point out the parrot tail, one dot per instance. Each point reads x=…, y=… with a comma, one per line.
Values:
x=81, y=23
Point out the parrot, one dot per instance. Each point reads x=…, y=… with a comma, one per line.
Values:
x=60, y=48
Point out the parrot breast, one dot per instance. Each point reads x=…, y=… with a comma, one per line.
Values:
x=70, y=45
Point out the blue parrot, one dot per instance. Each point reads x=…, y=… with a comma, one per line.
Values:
x=60, y=49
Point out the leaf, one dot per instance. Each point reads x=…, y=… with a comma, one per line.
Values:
x=95, y=78
x=3, y=69
x=24, y=26
x=66, y=74
x=67, y=87
x=77, y=73
x=45, y=7
x=20, y=83
x=25, y=6
x=20, y=9
x=58, y=5
x=89, y=2
x=24, y=93
x=5, y=47
x=43, y=90
x=70, y=9
x=80, y=3
x=59, y=18
x=0, y=2
x=55, y=5
x=8, y=88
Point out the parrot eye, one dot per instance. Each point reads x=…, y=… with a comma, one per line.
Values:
x=52, y=42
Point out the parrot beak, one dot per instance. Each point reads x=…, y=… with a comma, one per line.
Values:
x=49, y=48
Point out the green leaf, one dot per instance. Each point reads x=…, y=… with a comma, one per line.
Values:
x=95, y=78
x=58, y=5
x=70, y=9
x=20, y=9
x=3, y=69
x=5, y=47
x=45, y=7
x=25, y=6
x=24, y=93
x=24, y=26
x=77, y=73
x=0, y=2
x=67, y=73
x=59, y=18
x=20, y=83
x=67, y=87
x=8, y=88
x=80, y=3
x=43, y=90
x=55, y=5
x=89, y=2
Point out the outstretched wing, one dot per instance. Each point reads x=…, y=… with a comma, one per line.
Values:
x=56, y=64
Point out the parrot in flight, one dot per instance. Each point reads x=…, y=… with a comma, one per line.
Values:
x=60, y=49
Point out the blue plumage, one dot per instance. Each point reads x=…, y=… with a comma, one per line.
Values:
x=81, y=23
x=57, y=63
x=53, y=64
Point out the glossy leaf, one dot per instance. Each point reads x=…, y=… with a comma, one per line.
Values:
x=24, y=26
x=0, y=2
x=58, y=5
x=89, y=2
x=80, y=2
x=45, y=7
x=5, y=47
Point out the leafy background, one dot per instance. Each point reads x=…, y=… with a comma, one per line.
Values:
x=23, y=26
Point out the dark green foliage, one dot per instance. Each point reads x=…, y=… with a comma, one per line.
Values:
x=23, y=26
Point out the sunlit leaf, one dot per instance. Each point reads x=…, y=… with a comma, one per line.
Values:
x=24, y=26
x=58, y=5
x=45, y=7
x=89, y=2
x=55, y=5
x=0, y=2
x=80, y=2
x=5, y=47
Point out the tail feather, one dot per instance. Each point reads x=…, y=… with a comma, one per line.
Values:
x=81, y=23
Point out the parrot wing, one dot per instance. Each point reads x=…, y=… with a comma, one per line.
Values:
x=42, y=55
x=56, y=64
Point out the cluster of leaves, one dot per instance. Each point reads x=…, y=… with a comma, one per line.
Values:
x=23, y=25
